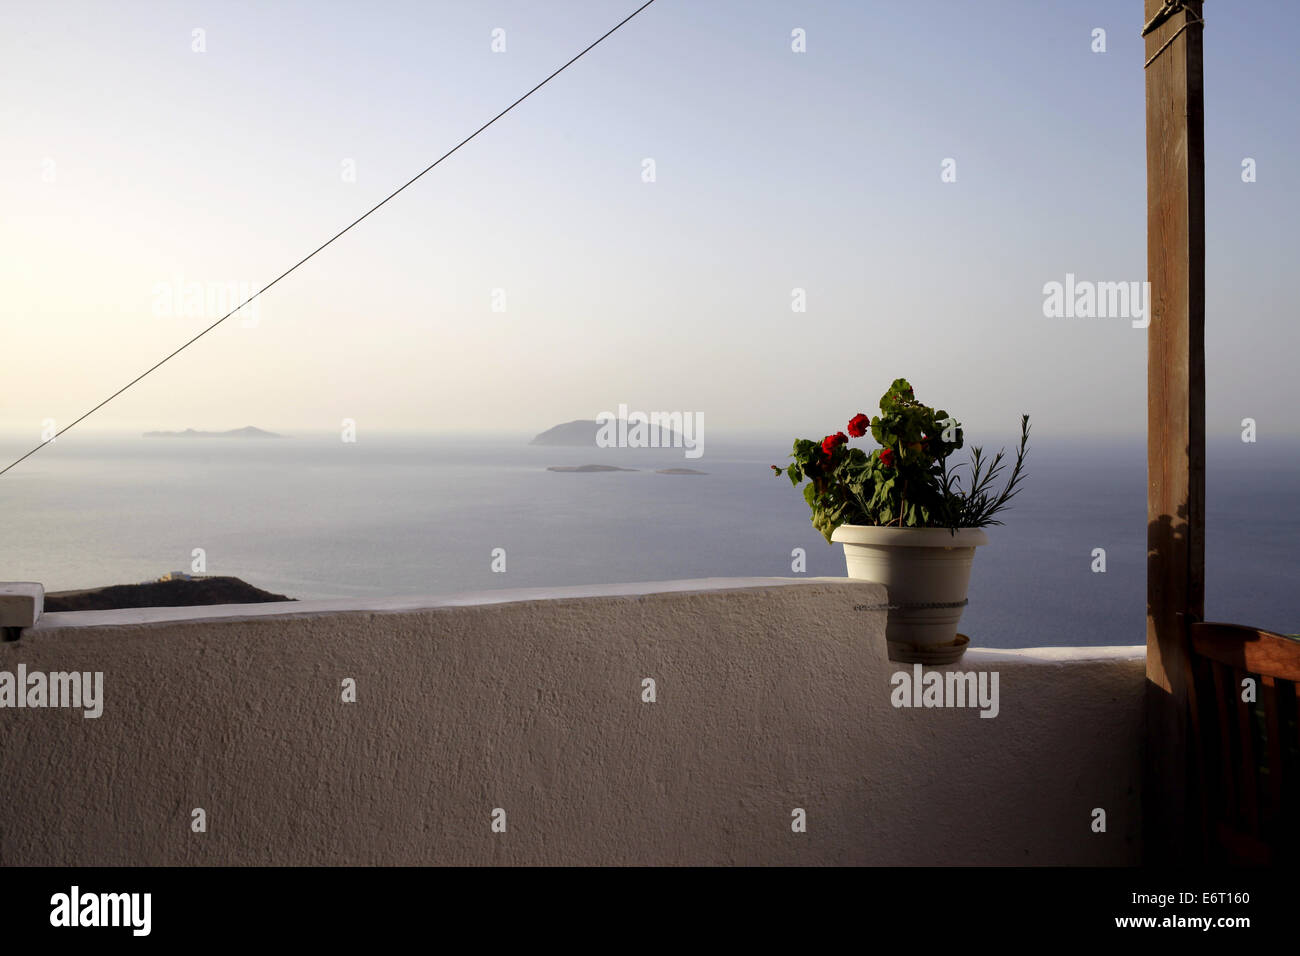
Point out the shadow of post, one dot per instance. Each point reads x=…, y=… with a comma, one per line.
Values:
x=1170, y=790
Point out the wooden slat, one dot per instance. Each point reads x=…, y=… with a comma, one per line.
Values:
x=1242, y=848
x=1175, y=411
x=1202, y=768
x=1223, y=712
x=1273, y=809
x=1295, y=742
x=1248, y=757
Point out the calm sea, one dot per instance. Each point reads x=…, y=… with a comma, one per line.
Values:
x=402, y=516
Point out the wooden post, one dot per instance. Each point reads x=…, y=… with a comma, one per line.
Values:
x=1175, y=414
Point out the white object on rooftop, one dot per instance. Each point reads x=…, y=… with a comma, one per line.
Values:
x=21, y=603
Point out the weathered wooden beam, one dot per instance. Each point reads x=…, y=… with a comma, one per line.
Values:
x=1175, y=127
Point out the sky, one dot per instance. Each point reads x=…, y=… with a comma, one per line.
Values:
x=537, y=277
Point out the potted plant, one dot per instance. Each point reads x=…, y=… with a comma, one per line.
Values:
x=906, y=519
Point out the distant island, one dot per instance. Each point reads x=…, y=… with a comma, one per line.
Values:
x=587, y=468
x=582, y=432
x=579, y=432
x=679, y=471
x=248, y=431
x=170, y=591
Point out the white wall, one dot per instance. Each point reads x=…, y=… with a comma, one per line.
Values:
x=772, y=694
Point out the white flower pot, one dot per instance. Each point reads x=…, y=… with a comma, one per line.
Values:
x=926, y=572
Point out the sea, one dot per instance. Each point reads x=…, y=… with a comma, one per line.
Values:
x=316, y=517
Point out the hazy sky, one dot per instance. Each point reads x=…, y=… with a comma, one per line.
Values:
x=134, y=167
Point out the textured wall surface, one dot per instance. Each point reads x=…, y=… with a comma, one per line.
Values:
x=772, y=695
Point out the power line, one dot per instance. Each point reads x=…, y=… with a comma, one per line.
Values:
x=337, y=235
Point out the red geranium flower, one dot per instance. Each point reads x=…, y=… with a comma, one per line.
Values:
x=831, y=442
x=858, y=425
x=887, y=458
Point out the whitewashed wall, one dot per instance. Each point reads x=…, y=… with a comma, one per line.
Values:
x=772, y=695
